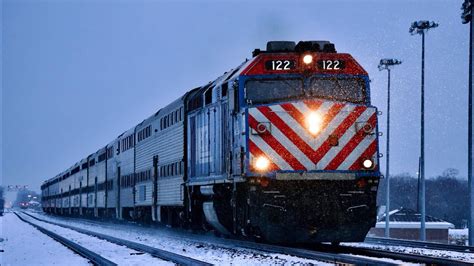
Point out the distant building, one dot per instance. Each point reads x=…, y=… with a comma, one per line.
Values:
x=405, y=224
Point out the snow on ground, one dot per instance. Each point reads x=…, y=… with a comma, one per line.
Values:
x=202, y=247
x=467, y=257
x=458, y=236
x=118, y=254
x=22, y=244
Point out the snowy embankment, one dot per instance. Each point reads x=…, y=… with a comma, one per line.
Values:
x=201, y=247
x=113, y=252
x=467, y=257
x=458, y=236
x=22, y=244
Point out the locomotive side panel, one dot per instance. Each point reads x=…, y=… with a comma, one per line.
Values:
x=206, y=148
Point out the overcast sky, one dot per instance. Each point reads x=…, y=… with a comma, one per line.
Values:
x=76, y=74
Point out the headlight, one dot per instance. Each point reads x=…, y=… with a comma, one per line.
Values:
x=308, y=59
x=367, y=164
x=314, y=121
x=261, y=163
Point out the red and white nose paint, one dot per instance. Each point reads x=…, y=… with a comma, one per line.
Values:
x=313, y=135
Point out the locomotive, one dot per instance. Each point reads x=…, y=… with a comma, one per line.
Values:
x=283, y=148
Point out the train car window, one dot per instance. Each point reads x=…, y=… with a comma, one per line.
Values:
x=225, y=87
x=181, y=113
x=110, y=152
x=208, y=96
x=339, y=89
x=264, y=91
x=102, y=157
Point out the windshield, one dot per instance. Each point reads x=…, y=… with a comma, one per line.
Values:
x=264, y=91
x=342, y=89
x=337, y=89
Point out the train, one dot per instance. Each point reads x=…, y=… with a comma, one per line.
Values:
x=283, y=149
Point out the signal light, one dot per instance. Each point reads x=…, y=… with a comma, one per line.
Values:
x=264, y=182
x=361, y=183
x=314, y=121
x=368, y=163
x=261, y=163
x=308, y=59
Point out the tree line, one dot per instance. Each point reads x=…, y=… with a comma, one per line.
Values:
x=447, y=195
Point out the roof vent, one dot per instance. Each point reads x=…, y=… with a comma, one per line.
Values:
x=315, y=46
x=280, y=46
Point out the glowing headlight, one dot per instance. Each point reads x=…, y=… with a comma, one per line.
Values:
x=367, y=163
x=307, y=59
x=261, y=163
x=314, y=122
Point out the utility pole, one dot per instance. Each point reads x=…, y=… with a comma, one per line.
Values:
x=467, y=18
x=385, y=64
x=421, y=27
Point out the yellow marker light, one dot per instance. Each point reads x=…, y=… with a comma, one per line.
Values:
x=314, y=121
x=262, y=163
x=367, y=163
x=307, y=59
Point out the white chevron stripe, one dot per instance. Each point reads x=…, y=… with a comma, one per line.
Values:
x=274, y=156
x=336, y=121
x=323, y=108
x=343, y=140
x=293, y=124
x=303, y=133
x=288, y=144
x=357, y=152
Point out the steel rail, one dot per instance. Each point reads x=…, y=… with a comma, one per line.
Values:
x=95, y=258
x=415, y=258
x=310, y=254
x=155, y=252
x=418, y=244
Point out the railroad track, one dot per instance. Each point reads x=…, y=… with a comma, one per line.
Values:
x=95, y=258
x=405, y=257
x=301, y=253
x=330, y=257
x=155, y=252
x=325, y=253
x=345, y=254
x=418, y=244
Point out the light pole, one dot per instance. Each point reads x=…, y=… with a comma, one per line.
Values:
x=421, y=27
x=467, y=18
x=385, y=64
